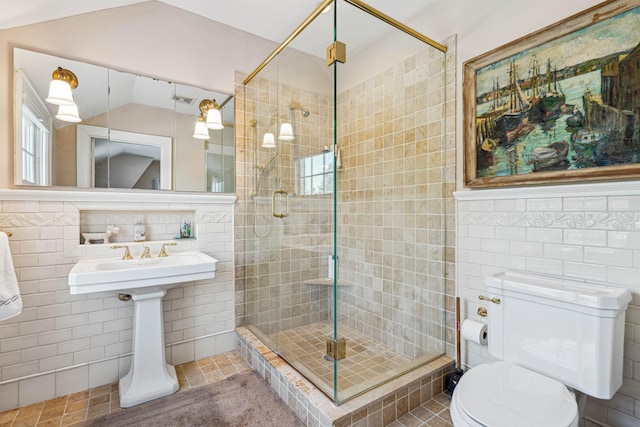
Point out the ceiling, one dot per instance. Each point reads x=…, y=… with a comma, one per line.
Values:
x=270, y=19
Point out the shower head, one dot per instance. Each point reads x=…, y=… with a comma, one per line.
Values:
x=305, y=112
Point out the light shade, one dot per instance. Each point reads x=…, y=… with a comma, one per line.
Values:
x=201, y=131
x=268, y=141
x=286, y=132
x=214, y=119
x=60, y=93
x=68, y=113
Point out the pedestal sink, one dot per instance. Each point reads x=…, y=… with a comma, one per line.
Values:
x=147, y=280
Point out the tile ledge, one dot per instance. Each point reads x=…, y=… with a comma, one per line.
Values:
x=116, y=196
x=618, y=188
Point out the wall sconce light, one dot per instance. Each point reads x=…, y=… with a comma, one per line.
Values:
x=268, y=141
x=201, y=130
x=62, y=82
x=68, y=113
x=211, y=110
x=286, y=132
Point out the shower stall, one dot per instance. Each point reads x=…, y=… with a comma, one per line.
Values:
x=341, y=199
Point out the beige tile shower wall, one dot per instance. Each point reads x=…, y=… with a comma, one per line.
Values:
x=63, y=343
x=274, y=256
x=593, y=237
x=395, y=209
x=253, y=270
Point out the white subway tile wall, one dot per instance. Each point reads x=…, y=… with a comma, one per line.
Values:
x=594, y=238
x=63, y=343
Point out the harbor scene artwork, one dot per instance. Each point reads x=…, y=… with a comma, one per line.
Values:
x=569, y=106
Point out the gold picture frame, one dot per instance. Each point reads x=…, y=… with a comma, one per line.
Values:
x=558, y=105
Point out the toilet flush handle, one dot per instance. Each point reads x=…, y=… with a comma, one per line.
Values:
x=493, y=300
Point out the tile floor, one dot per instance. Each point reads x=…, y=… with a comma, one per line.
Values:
x=367, y=362
x=434, y=413
x=75, y=409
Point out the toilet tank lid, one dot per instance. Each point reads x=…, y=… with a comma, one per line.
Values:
x=588, y=294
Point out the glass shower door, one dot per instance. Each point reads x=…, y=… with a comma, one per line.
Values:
x=344, y=235
x=389, y=305
x=289, y=201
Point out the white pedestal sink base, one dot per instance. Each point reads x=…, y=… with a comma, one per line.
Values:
x=149, y=377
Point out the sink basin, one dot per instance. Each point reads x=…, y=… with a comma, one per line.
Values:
x=115, y=274
x=147, y=280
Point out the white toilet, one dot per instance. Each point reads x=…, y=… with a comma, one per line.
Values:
x=548, y=335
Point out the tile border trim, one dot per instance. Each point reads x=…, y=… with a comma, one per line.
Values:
x=625, y=188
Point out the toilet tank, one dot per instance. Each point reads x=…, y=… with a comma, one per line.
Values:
x=568, y=330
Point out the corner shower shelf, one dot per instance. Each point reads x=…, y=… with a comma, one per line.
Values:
x=325, y=281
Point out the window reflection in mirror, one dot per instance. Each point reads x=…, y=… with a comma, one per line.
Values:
x=50, y=152
x=36, y=149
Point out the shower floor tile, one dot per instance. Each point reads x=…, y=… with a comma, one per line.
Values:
x=365, y=365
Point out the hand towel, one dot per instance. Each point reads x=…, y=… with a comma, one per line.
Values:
x=10, y=299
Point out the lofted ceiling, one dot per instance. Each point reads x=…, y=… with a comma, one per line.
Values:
x=483, y=21
x=270, y=19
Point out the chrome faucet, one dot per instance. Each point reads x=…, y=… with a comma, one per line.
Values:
x=163, y=252
x=146, y=252
x=127, y=254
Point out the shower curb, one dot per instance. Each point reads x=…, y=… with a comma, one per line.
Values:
x=379, y=406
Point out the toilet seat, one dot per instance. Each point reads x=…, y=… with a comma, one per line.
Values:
x=502, y=394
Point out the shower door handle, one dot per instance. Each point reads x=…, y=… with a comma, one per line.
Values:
x=273, y=204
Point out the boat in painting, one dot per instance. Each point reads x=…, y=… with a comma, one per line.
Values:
x=576, y=119
x=587, y=141
x=550, y=157
x=547, y=104
x=512, y=123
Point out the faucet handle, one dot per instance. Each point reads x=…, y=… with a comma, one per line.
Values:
x=163, y=252
x=127, y=254
x=146, y=252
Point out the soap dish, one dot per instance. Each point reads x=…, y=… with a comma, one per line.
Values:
x=95, y=238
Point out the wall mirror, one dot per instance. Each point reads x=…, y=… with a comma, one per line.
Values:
x=129, y=131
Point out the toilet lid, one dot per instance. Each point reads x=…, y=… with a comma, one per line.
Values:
x=502, y=394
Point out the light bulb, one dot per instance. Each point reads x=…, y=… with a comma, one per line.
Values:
x=286, y=132
x=60, y=93
x=68, y=113
x=201, y=131
x=214, y=119
x=268, y=141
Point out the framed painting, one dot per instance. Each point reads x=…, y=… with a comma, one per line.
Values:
x=559, y=105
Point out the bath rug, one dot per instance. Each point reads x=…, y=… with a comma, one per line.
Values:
x=242, y=400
